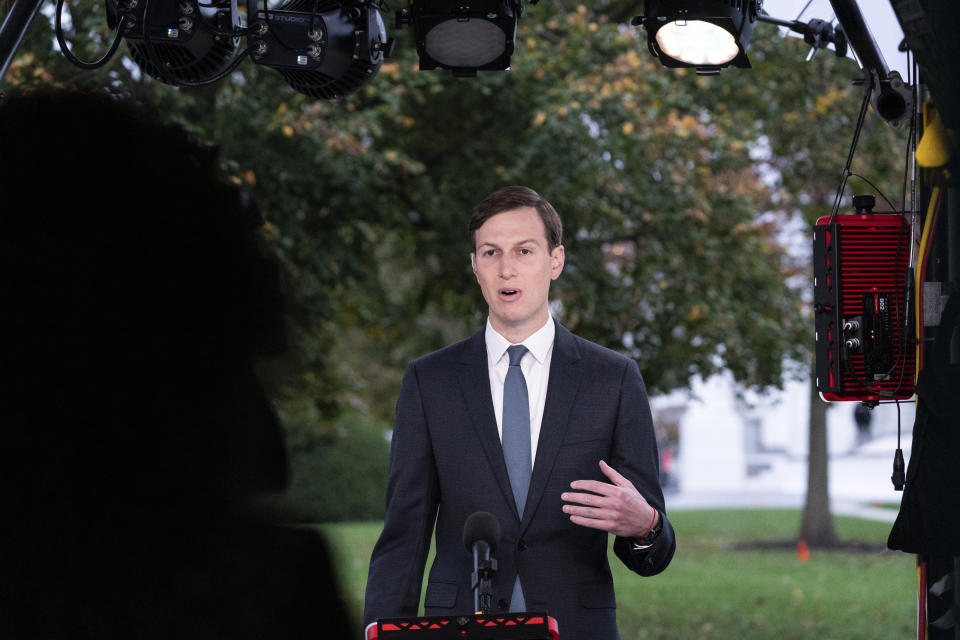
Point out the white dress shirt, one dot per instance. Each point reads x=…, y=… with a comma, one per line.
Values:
x=536, y=371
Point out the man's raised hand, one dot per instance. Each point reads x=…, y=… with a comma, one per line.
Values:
x=618, y=507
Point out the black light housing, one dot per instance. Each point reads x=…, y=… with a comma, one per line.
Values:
x=463, y=36
x=705, y=34
x=177, y=41
x=324, y=50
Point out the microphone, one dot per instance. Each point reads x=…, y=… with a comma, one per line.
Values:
x=481, y=535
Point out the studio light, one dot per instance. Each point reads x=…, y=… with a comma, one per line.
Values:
x=323, y=49
x=463, y=36
x=178, y=41
x=705, y=34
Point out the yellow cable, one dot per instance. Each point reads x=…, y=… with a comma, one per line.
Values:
x=918, y=285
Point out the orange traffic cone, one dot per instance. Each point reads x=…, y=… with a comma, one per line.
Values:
x=803, y=551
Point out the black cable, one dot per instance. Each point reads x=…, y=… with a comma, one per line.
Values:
x=911, y=136
x=875, y=188
x=804, y=10
x=898, y=478
x=898, y=423
x=83, y=64
x=853, y=147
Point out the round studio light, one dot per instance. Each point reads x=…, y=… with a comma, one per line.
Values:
x=463, y=37
x=697, y=42
x=468, y=43
x=705, y=34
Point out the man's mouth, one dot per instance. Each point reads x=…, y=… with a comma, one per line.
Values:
x=509, y=293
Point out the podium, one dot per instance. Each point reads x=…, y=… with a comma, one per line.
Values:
x=531, y=625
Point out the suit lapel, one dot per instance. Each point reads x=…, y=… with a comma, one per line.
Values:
x=561, y=392
x=475, y=384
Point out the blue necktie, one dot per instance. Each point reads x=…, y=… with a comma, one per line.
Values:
x=516, y=444
x=516, y=428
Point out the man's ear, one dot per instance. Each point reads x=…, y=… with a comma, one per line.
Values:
x=557, y=258
x=473, y=262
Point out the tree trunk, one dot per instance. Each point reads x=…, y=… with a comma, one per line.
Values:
x=816, y=526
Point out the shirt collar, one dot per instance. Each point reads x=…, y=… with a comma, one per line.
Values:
x=538, y=344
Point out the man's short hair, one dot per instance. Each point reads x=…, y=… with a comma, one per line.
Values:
x=514, y=197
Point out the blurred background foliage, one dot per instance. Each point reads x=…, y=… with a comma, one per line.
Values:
x=683, y=199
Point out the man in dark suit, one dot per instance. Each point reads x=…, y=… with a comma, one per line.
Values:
x=554, y=438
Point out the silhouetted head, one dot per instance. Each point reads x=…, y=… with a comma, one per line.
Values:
x=137, y=296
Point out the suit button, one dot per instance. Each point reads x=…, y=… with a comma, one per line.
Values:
x=521, y=545
x=502, y=604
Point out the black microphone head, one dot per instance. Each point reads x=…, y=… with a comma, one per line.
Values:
x=481, y=525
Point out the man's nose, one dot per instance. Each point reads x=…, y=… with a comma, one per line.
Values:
x=508, y=267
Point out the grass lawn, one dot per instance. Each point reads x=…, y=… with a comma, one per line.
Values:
x=716, y=588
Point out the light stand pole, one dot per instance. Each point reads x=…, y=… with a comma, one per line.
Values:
x=14, y=27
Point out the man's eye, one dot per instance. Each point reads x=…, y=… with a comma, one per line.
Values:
x=525, y=252
x=489, y=252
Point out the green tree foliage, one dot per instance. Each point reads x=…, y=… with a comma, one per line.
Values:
x=671, y=222
x=340, y=475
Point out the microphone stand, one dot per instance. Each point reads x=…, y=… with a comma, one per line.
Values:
x=482, y=577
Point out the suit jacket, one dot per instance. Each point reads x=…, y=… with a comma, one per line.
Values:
x=446, y=463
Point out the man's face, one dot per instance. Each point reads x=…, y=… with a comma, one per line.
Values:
x=514, y=267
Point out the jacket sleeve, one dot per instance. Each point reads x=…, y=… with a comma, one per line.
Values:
x=648, y=562
x=398, y=559
x=635, y=456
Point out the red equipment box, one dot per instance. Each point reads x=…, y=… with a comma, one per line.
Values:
x=864, y=341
